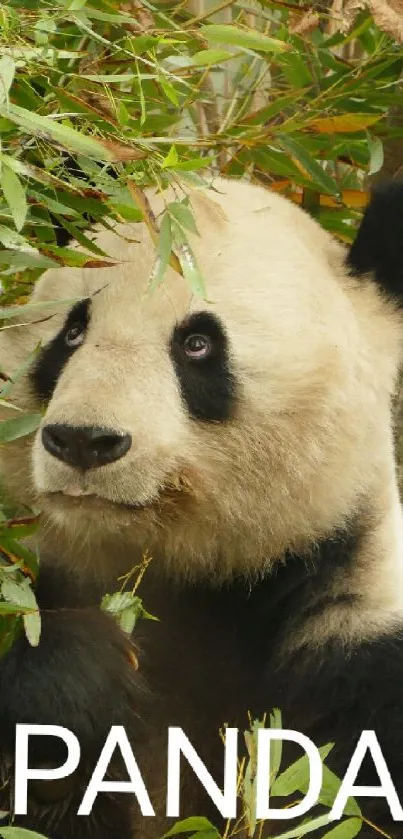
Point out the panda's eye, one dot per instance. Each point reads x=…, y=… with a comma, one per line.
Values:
x=75, y=335
x=197, y=346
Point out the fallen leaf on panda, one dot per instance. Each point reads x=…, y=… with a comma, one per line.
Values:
x=133, y=659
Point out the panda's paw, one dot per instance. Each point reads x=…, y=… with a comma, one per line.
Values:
x=82, y=676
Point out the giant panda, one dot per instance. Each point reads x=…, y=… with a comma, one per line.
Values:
x=243, y=442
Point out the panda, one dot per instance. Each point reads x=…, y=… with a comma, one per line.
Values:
x=243, y=442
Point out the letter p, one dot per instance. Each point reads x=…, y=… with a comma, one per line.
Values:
x=23, y=773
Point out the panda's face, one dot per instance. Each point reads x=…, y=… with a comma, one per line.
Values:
x=213, y=434
x=128, y=381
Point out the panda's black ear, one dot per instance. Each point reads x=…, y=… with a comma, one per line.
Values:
x=378, y=247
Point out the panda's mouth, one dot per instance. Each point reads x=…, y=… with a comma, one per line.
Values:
x=86, y=499
x=80, y=498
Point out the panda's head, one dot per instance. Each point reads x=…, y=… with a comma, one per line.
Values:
x=212, y=435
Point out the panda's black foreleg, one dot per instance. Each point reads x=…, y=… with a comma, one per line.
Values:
x=82, y=676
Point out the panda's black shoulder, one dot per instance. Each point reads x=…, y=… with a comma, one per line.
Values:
x=371, y=669
x=378, y=246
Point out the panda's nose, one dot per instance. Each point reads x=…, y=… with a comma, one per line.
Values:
x=85, y=447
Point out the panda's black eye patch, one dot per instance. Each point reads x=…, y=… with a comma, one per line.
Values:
x=55, y=355
x=199, y=350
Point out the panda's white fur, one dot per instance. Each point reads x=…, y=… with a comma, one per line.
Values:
x=315, y=354
x=308, y=448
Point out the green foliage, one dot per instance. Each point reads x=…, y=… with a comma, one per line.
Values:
x=19, y=566
x=125, y=605
x=19, y=833
x=19, y=427
x=126, y=608
x=198, y=826
x=18, y=570
x=293, y=779
x=159, y=95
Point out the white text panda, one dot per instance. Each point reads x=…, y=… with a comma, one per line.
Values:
x=246, y=445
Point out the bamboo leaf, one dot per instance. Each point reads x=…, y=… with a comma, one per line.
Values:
x=28, y=170
x=80, y=237
x=187, y=260
x=303, y=829
x=249, y=779
x=11, y=239
x=7, y=312
x=308, y=165
x=347, y=829
x=19, y=594
x=356, y=198
x=206, y=834
x=77, y=259
x=7, y=387
x=164, y=250
x=19, y=833
x=183, y=216
x=17, y=553
x=209, y=57
x=193, y=824
x=75, y=141
x=9, y=406
x=14, y=194
x=13, y=429
x=21, y=259
x=169, y=91
x=32, y=626
x=375, y=147
x=171, y=158
x=276, y=747
x=296, y=776
x=126, y=608
x=7, y=72
x=330, y=787
x=54, y=206
x=343, y=123
x=12, y=609
x=245, y=38
x=192, y=165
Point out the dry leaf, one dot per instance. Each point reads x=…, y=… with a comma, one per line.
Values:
x=387, y=14
x=306, y=24
x=389, y=17
x=143, y=20
x=343, y=123
x=121, y=153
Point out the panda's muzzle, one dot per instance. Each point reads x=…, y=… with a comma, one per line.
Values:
x=85, y=447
